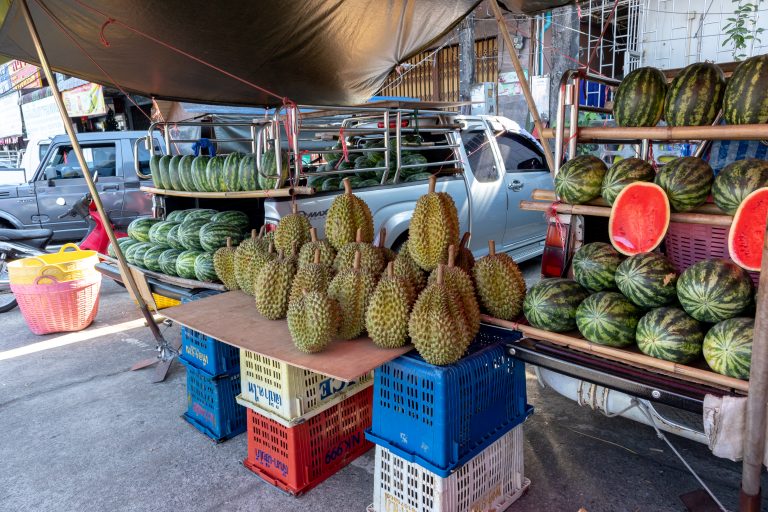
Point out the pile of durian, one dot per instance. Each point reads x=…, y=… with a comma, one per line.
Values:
x=430, y=292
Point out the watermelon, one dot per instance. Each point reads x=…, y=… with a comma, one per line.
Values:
x=334, y=156
x=185, y=264
x=648, y=279
x=123, y=242
x=214, y=173
x=580, y=179
x=163, y=167
x=138, y=253
x=747, y=234
x=622, y=173
x=154, y=169
x=639, y=100
x=354, y=182
x=369, y=183
x=177, y=215
x=173, y=238
x=152, y=257
x=551, y=304
x=670, y=334
x=413, y=159
x=714, y=290
x=247, y=173
x=745, y=100
x=639, y=218
x=189, y=233
x=362, y=162
x=234, y=218
x=199, y=213
x=736, y=181
x=268, y=178
x=167, y=261
x=230, y=173
x=695, y=95
x=330, y=184
x=204, y=270
x=728, y=347
x=139, y=228
x=687, y=182
x=131, y=250
x=200, y=174
x=214, y=235
x=608, y=318
x=422, y=176
x=186, y=181
x=158, y=234
x=594, y=266
x=173, y=172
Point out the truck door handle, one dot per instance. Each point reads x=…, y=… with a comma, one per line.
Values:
x=516, y=185
x=111, y=187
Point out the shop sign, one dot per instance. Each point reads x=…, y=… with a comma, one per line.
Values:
x=85, y=101
x=24, y=76
x=42, y=118
x=10, y=113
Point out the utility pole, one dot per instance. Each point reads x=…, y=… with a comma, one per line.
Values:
x=467, y=59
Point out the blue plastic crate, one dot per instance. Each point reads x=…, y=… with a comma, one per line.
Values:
x=442, y=416
x=206, y=353
x=211, y=405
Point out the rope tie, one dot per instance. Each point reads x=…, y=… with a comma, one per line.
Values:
x=103, y=28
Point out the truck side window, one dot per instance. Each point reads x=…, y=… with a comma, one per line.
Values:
x=64, y=165
x=520, y=155
x=480, y=156
x=144, y=156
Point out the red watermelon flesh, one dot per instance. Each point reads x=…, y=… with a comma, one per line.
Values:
x=639, y=218
x=745, y=240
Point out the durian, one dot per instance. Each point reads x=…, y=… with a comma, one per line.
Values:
x=224, y=265
x=273, y=286
x=312, y=277
x=307, y=252
x=293, y=228
x=371, y=258
x=461, y=283
x=244, y=256
x=500, y=284
x=386, y=319
x=465, y=260
x=437, y=332
x=434, y=227
x=346, y=214
x=407, y=268
x=313, y=320
x=352, y=289
x=386, y=252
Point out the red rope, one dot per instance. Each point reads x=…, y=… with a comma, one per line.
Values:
x=552, y=214
x=344, y=148
x=103, y=28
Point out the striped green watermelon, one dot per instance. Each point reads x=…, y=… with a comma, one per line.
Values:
x=714, y=290
x=608, y=318
x=247, y=173
x=131, y=251
x=670, y=334
x=214, y=235
x=648, y=279
x=177, y=215
x=330, y=184
x=158, y=234
x=152, y=257
x=234, y=218
x=745, y=100
x=622, y=173
x=580, y=179
x=639, y=100
x=173, y=172
x=268, y=178
x=167, y=261
x=199, y=213
x=164, y=171
x=139, y=250
x=728, y=347
x=373, y=183
x=200, y=174
x=204, y=270
x=594, y=266
x=154, y=169
x=139, y=228
x=185, y=173
x=189, y=233
x=695, y=95
x=687, y=182
x=736, y=181
x=215, y=173
x=551, y=304
x=185, y=264
x=230, y=172
x=173, y=238
x=124, y=243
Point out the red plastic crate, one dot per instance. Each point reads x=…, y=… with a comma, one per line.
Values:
x=295, y=459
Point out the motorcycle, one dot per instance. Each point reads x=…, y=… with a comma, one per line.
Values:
x=23, y=243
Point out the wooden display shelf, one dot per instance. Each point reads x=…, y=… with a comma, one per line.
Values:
x=251, y=194
x=668, y=133
x=175, y=280
x=232, y=318
x=638, y=359
x=541, y=194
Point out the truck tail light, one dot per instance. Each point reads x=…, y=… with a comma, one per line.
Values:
x=270, y=226
x=403, y=124
x=554, y=258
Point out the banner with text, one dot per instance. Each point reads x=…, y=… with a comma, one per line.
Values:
x=85, y=101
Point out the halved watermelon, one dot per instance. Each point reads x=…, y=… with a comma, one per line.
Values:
x=745, y=240
x=639, y=218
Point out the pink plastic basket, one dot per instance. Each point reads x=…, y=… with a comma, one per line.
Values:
x=690, y=243
x=52, y=306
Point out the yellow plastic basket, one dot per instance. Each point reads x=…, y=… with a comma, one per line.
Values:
x=163, y=302
x=63, y=266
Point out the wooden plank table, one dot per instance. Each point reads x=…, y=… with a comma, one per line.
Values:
x=231, y=317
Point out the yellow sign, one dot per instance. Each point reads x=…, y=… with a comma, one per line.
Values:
x=85, y=101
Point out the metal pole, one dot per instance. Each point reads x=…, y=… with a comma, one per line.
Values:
x=130, y=281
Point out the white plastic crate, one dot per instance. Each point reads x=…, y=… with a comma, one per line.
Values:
x=491, y=481
x=289, y=394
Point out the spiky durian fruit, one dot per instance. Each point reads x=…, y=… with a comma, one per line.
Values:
x=461, y=283
x=312, y=277
x=465, y=260
x=500, y=284
x=313, y=320
x=273, y=286
x=244, y=255
x=371, y=258
x=407, y=268
x=347, y=214
x=352, y=289
x=293, y=228
x=386, y=252
x=224, y=265
x=386, y=319
x=307, y=252
x=437, y=331
x=434, y=227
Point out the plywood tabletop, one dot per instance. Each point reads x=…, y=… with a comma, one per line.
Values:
x=231, y=317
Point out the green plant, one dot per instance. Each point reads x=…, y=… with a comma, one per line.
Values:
x=741, y=27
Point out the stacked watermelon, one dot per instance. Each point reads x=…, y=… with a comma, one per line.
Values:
x=224, y=173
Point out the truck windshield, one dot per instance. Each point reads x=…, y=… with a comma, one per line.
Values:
x=63, y=163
